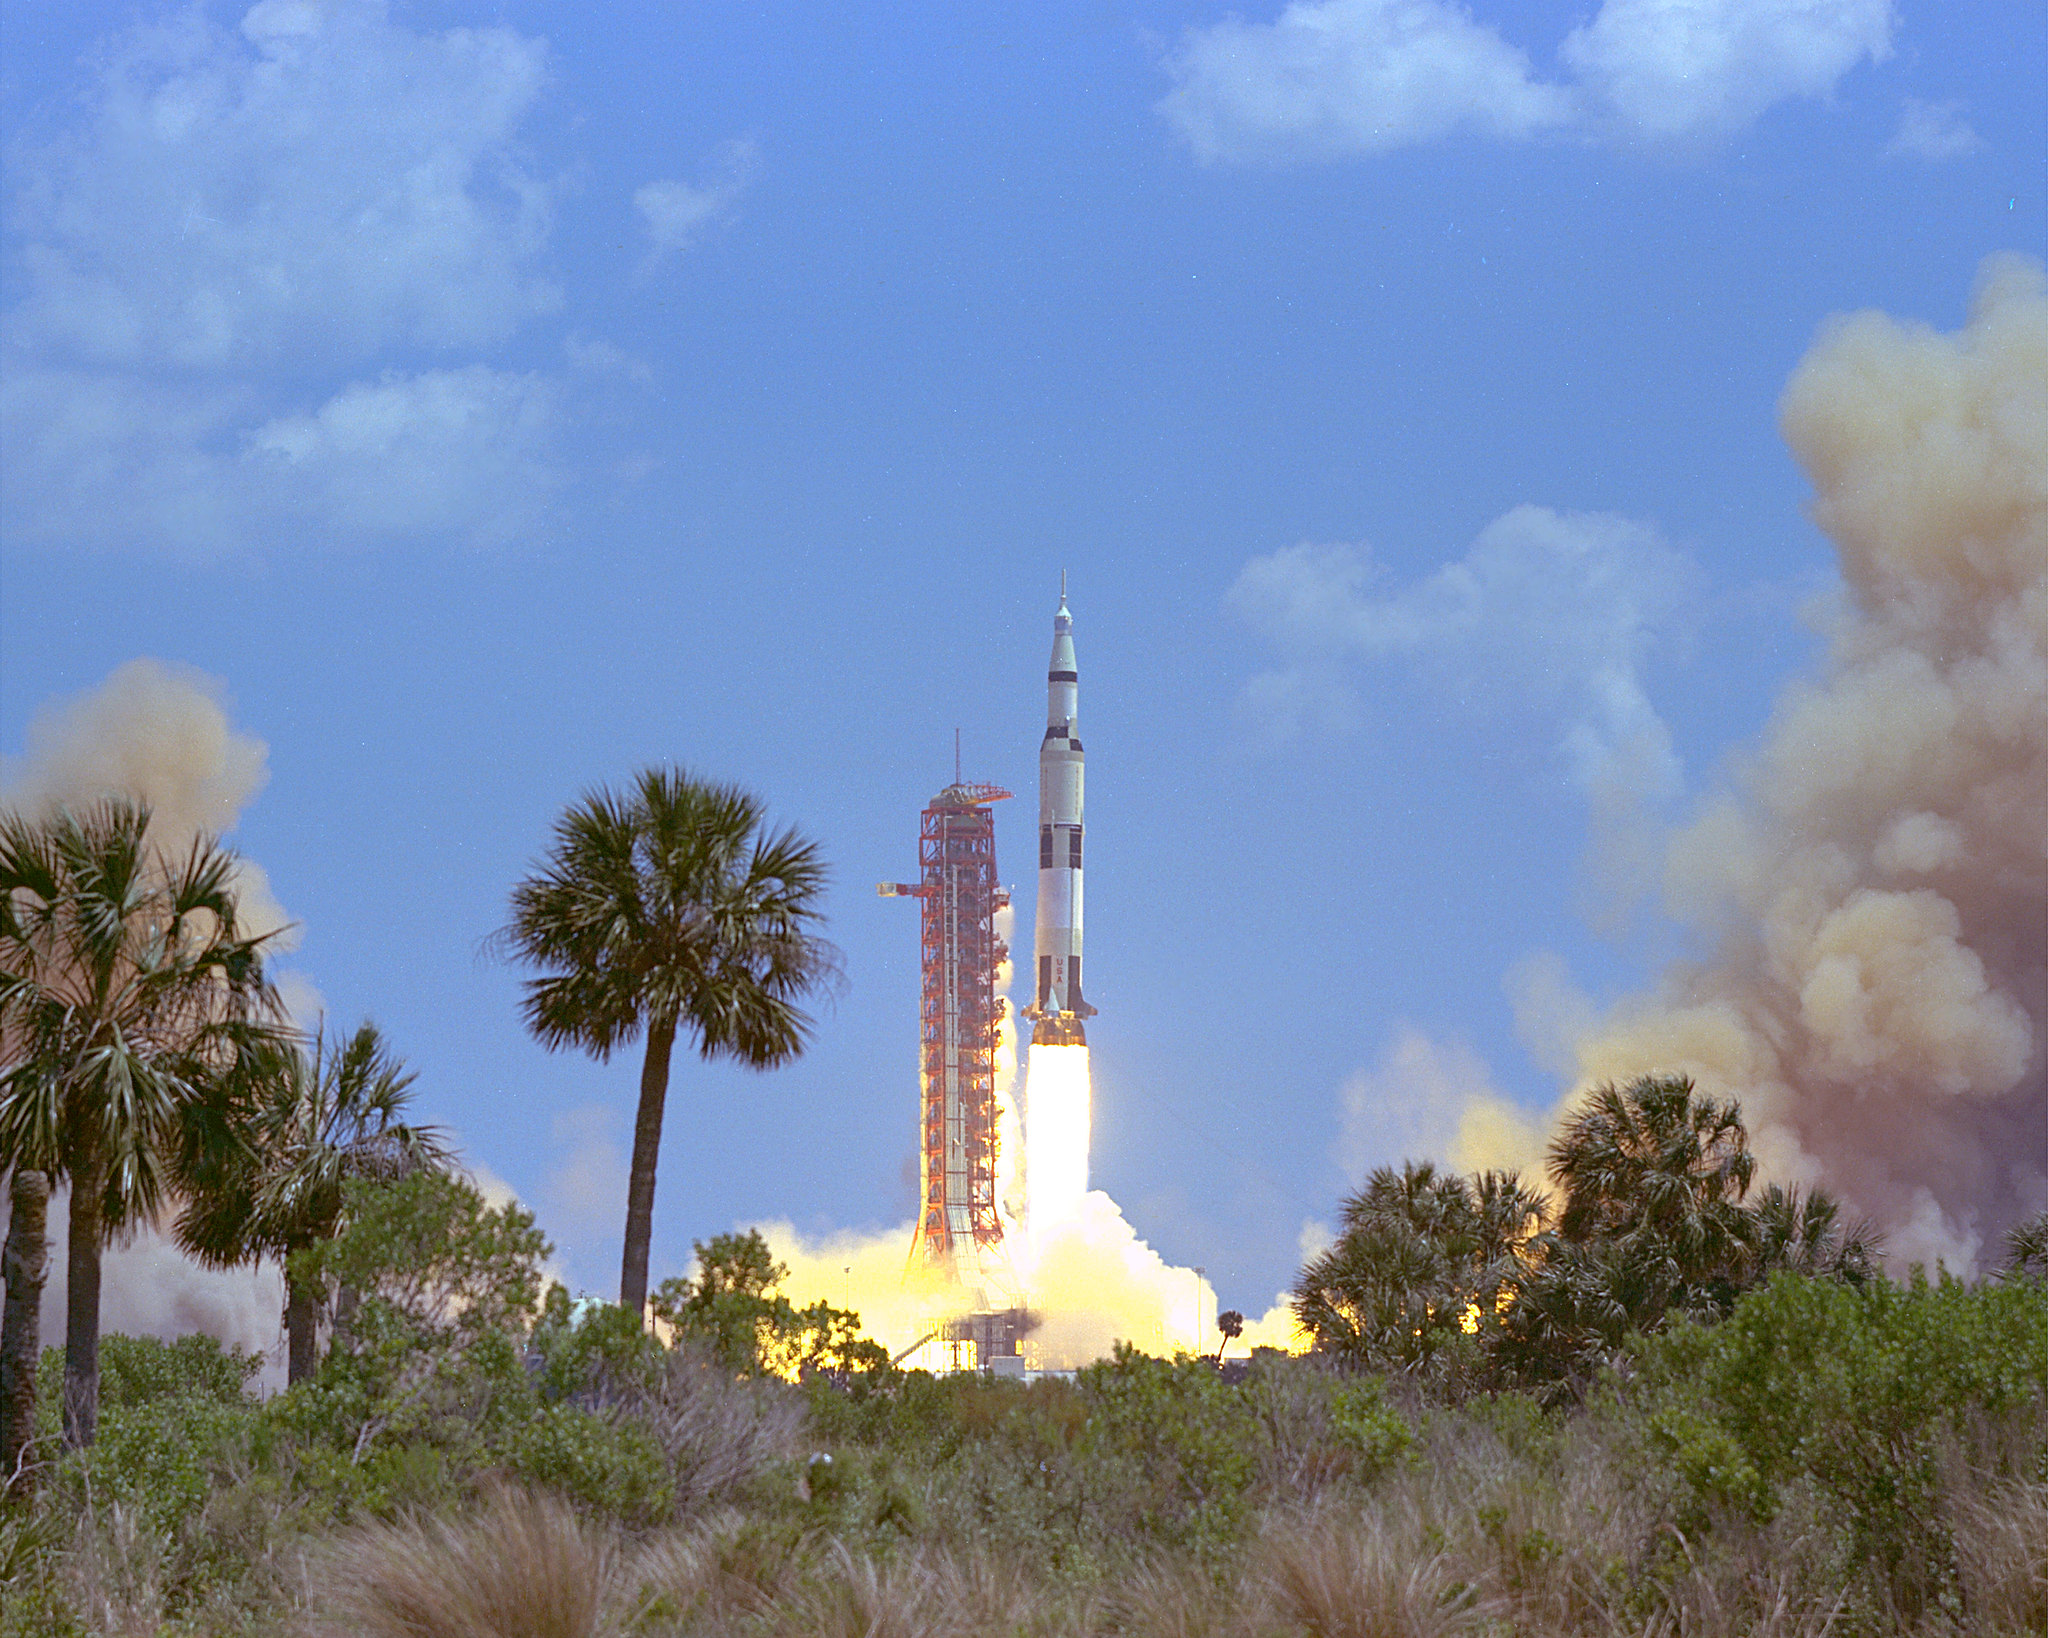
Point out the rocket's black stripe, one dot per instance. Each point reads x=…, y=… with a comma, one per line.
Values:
x=1063, y=676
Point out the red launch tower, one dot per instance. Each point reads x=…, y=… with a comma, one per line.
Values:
x=959, y=1230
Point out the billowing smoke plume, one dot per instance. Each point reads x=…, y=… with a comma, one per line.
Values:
x=1094, y=1285
x=160, y=734
x=1873, y=881
x=1087, y=1278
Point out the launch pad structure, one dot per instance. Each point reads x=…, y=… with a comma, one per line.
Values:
x=958, y=1247
x=959, y=1234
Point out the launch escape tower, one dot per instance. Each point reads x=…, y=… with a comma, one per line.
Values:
x=959, y=1232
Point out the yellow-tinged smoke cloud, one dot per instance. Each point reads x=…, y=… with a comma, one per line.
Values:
x=160, y=733
x=1086, y=1276
x=1873, y=880
x=157, y=733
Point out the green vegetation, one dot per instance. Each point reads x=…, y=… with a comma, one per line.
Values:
x=1657, y=1405
x=1862, y=1459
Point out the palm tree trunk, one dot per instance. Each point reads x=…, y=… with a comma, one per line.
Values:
x=661, y=1037
x=346, y=1300
x=82, y=1308
x=26, y=1264
x=301, y=1328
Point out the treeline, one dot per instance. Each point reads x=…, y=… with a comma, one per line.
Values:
x=1482, y=1283
x=1652, y=1398
x=145, y=1060
x=486, y=1456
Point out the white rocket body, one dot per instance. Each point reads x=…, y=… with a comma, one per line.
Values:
x=1057, y=1006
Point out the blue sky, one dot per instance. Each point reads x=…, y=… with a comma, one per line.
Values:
x=495, y=399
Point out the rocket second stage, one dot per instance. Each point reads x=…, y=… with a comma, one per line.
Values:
x=1057, y=1009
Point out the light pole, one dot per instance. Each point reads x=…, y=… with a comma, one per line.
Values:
x=1198, y=1312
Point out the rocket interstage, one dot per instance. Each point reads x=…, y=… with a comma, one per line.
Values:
x=1057, y=1006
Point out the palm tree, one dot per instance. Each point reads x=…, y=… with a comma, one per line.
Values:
x=661, y=910
x=1805, y=1234
x=130, y=1003
x=2026, y=1246
x=325, y=1113
x=1657, y=1173
x=25, y=1263
x=1423, y=1256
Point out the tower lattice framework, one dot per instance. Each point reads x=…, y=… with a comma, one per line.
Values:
x=959, y=1229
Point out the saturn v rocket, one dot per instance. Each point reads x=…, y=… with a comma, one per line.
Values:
x=1057, y=1008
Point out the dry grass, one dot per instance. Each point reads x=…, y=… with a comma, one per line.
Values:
x=524, y=1566
x=2002, y=1556
x=114, y=1575
x=1363, y=1576
x=715, y=1430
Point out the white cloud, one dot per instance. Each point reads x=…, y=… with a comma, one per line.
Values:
x=461, y=452
x=1548, y=613
x=1688, y=70
x=109, y=459
x=317, y=198
x=1336, y=77
x=321, y=183
x=673, y=212
x=1933, y=130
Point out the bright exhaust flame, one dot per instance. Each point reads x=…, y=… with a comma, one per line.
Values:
x=1089, y=1280
x=1056, y=1133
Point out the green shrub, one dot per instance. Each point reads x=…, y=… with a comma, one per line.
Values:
x=159, y=1459
x=1861, y=1393
x=1363, y=1423
x=601, y=1463
x=1178, y=1440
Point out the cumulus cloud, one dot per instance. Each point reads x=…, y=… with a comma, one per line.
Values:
x=1691, y=70
x=1335, y=77
x=462, y=452
x=1330, y=78
x=673, y=212
x=1548, y=612
x=317, y=182
x=241, y=271
x=1932, y=130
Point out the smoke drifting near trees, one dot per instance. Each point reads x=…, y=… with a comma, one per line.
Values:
x=1872, y=882
x=160, y=734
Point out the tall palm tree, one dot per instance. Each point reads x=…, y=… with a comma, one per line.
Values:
x=24, y=1264
x=324, y=1113
x=131, y=1000
x=670, y=909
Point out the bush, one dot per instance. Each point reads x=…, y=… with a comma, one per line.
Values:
x=170, y=1414
x=1861, y=1393
x=605, y=1465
